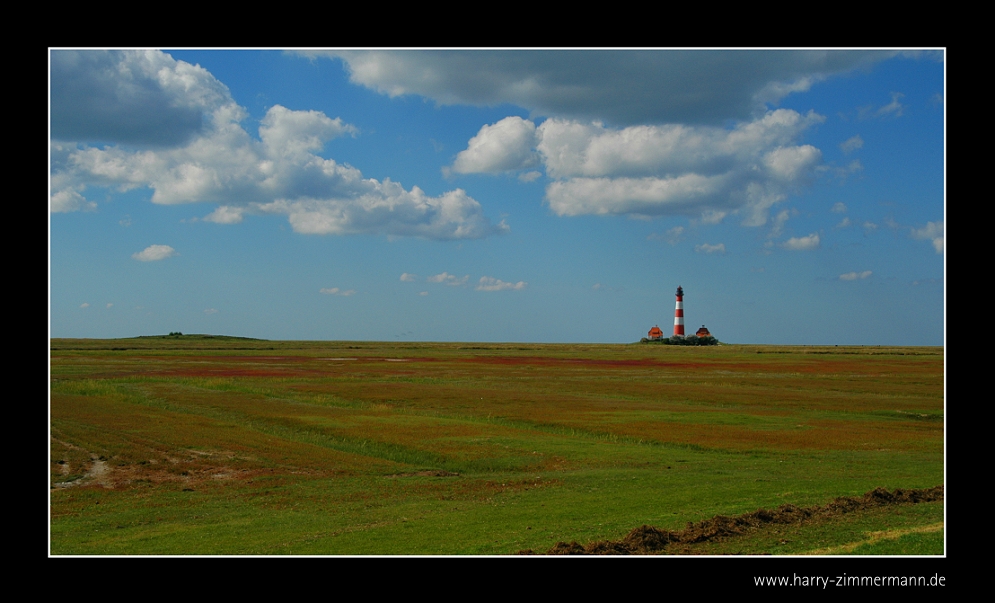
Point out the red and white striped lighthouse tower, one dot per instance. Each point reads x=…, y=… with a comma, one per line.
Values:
x=679, y=313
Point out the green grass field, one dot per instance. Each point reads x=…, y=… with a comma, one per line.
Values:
x=213, y=445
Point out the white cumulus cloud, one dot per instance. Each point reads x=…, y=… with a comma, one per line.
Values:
x=624, y=87
x=506, y=145
x=488, y=283
x=712, y=216
x=778, y=225
x=666, y=148
x=214, y=159
x=706, y=248
x=851, y=144
x=154, y=253
x=653, y=170
x=407, y=278
x=337, y=291
x=142, y=97
x=892, y=109
x=449, y=279
x=802, y=243
x=69, y=199
x=852, y=276
x=300, y=132
x=226, y=214
x=932, y=231
x=641, y=196
x=573, y=148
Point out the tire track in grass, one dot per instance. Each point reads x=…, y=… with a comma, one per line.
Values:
x=876, y=537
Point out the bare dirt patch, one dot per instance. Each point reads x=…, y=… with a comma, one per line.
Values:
x=186, y=466
x=98, y=474
x=648, y=540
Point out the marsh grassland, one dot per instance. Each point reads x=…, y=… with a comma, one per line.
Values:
x=213, y=445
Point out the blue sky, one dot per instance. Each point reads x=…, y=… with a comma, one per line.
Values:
x=498, y=195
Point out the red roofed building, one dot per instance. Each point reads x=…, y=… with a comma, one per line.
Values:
x=655, y=333
x=703, y=332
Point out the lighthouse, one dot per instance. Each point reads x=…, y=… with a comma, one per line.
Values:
x=679, y=313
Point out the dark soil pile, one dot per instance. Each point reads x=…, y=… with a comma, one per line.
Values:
x=647, y=540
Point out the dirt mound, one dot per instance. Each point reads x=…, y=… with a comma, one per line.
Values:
x=562, y=548
x=647, y=540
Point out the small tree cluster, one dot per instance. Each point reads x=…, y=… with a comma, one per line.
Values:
x=692, y=340
x=685, y=340
x=175, y=334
